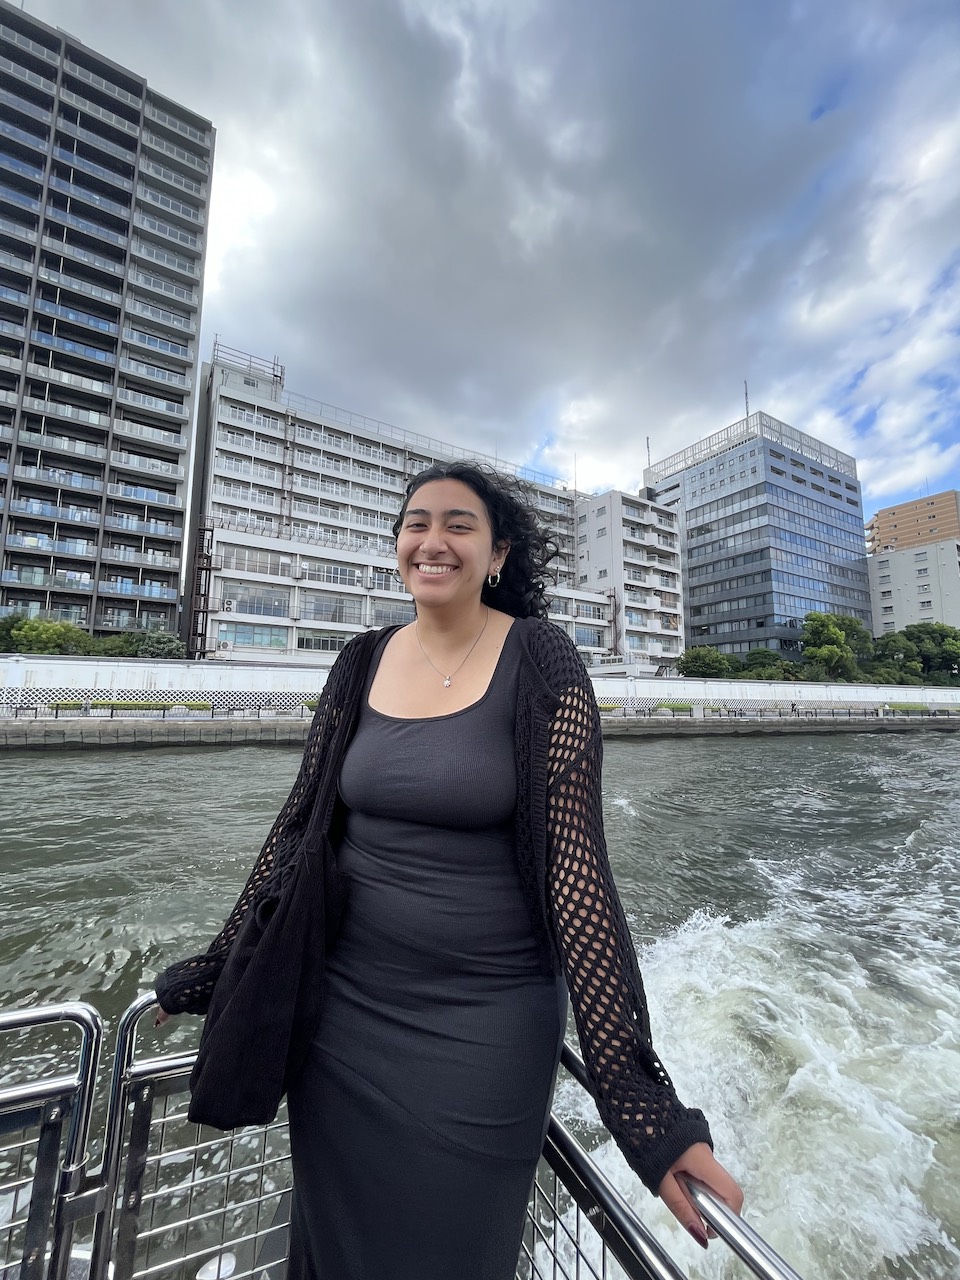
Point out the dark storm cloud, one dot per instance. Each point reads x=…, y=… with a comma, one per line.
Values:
x=556, y=228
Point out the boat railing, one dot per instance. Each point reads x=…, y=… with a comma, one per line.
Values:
x=169, y=1200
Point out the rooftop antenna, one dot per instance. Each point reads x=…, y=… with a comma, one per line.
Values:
x=746, y=397
x=575, y=475
x=649, y=463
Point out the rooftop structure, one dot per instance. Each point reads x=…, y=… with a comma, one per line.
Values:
x=916, y=523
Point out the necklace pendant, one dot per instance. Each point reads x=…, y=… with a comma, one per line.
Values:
x=446, y=682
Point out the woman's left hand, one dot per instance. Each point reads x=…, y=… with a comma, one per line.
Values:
x=698, y=1162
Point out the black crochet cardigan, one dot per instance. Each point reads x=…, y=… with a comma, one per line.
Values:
x=574, y=906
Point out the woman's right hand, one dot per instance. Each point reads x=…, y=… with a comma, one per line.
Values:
x=161, y=1018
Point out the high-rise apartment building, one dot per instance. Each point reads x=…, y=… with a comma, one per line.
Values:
x=915, y=523
x=628, y=547
x=104, y=188
x=772, y=528
x=295, y=504
x=918, y=583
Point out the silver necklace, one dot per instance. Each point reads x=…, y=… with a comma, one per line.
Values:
x=448, y=679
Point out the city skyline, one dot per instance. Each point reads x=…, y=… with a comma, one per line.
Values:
x=551, y=240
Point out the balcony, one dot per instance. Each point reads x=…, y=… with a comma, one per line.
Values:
x=11, y=228
x=177, y=350
x=171, y=261
x=177, y=126
x=171, y=149
x=27, y=108
x=76, y=192
x=13, y=196
x=153, y=559
x=153, y=528
x=14, y=330
x=84, y=255
x=86, y=318
x=138, y=431
x=76, y=614
x=59, y=478
x=100, y=113
x=81, y=349
x=141, y=590
x=86, y=225
x=16, y=165
x=49, y=374
x=137, y=493
x=160, y=315
x=97, y=140
x=157, y=227
x=155, y=372
x=38, y=579
x=51, y=511
x=153, y=169
x=110, y=296
x=90, y=417
x=90, y=166
x=24, y=42
x=62, y=444
x=124, y=619
x=16, y=296
x=105, y=86
x=51, y=546
x=28, y=76
x=157, y=284
x=170, y=408
x=6, y=433
x=136, y=462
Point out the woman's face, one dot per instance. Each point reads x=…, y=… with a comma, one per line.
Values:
x=445, y=545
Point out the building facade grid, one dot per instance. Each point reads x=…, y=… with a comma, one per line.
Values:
x=104, y=189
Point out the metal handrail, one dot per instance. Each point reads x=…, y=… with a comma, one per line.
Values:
x=749, y=1246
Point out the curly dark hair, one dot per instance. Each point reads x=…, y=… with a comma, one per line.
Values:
x=522, y=591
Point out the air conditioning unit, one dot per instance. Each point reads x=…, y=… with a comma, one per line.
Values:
x=228, y=606
x=225, y=644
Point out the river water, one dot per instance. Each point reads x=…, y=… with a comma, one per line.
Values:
x=796, y=903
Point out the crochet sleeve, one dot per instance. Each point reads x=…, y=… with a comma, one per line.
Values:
x=186, y=987
x=633, y=1091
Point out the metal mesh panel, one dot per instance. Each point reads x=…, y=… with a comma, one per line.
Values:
x=559, y=1240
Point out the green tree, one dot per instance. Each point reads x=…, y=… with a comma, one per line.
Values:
x=938, y=647
x=161, y=644
x=703, y=660
x=858, y=638
x=126, y=644
x=7, y=626
x=37, y=636
x=824, y=643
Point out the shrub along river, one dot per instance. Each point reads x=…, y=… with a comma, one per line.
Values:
x=796, y=903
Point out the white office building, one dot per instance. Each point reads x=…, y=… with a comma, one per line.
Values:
x=628, y=548
x=915, y=584
x=294, y=504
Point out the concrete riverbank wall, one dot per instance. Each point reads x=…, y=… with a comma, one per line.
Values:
x=96, y=733
x=30, y=681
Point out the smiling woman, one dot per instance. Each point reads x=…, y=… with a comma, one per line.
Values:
x=463, y=752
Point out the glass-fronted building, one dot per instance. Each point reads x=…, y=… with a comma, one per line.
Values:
x=772, y=528
x=104, y=188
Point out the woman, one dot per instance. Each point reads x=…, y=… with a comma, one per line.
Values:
x=468, y=827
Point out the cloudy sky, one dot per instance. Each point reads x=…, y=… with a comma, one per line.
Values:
x=550, y=229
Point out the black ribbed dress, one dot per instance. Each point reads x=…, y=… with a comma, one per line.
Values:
x=418, y=1120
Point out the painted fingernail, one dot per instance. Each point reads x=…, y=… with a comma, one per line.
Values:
x=699, y=1235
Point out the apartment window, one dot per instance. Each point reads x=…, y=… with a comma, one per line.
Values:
x=581, y=519
x=321, y=642
x=819, y=488
x=922, y=573
x=779, y=456
x=777, y=472
x=815, y=472
x=602, y=531
x=886, y=595
x=926, y=604
x=581, y=541
x=833, y=494
x=919, y=555
x=601, y=573
x=249, y=635
x=795, y=462
x=889, y=626
x=923, y=589
x=887, y=608
x=600, y=511
x=884, y=577
x=883, y=564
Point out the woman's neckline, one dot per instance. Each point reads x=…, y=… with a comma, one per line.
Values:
x=445, y=715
